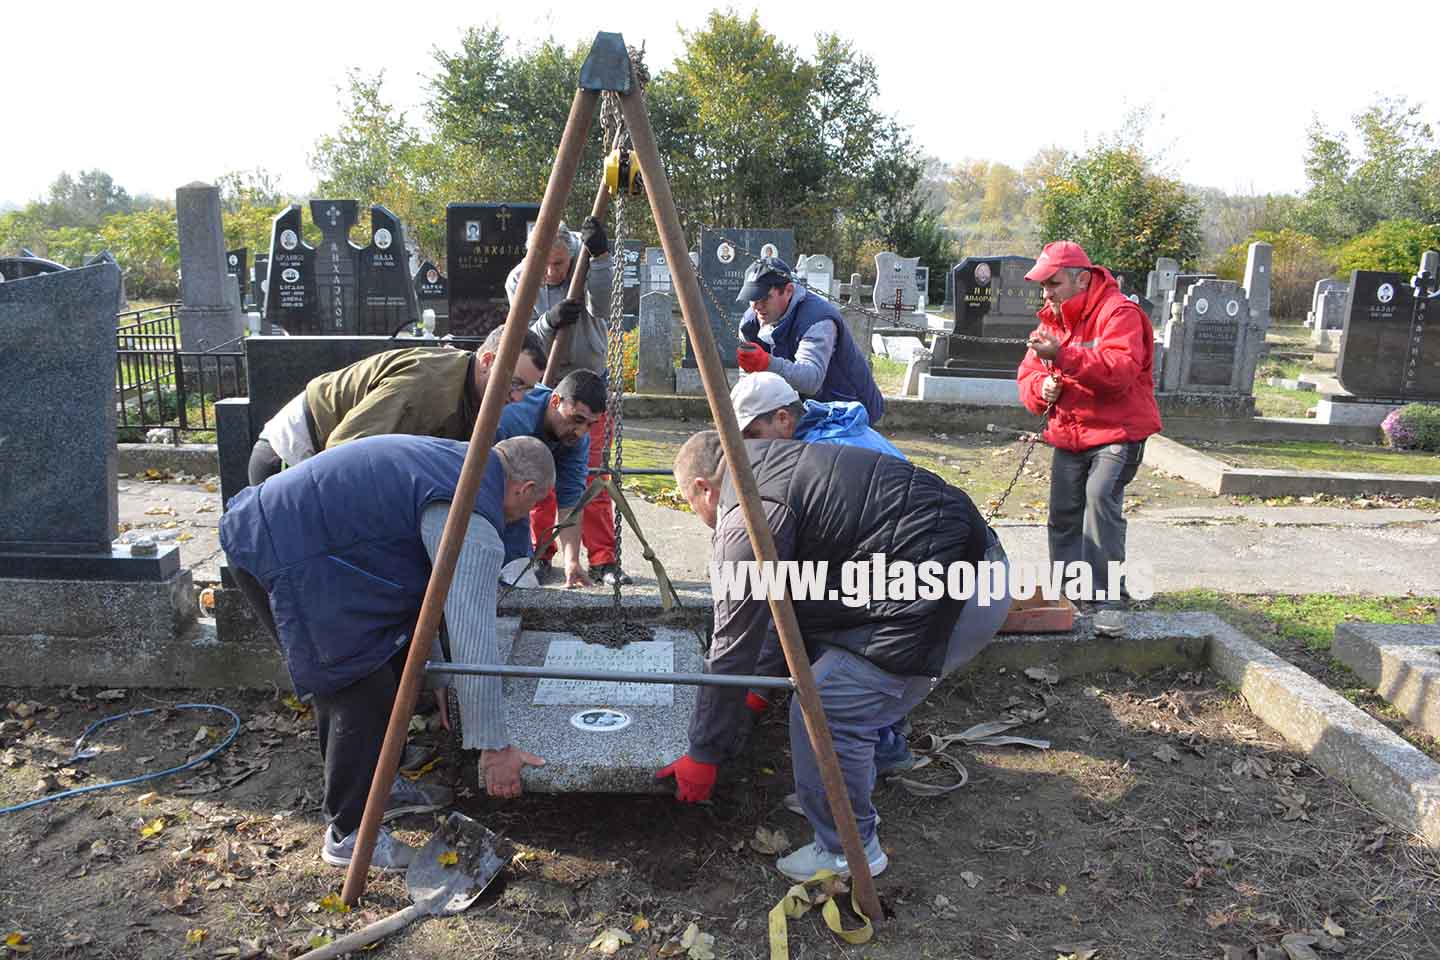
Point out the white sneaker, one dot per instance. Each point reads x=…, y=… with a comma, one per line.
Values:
x=407, y=797
x=389, y=853
x=803, y=863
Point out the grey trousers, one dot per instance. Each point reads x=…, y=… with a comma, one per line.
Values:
x=1087, y=490
x=860, y=699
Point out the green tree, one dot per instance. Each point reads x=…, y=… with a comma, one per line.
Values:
x=1112, y=203
x=1297, y=261
x=1392, y=245
x=86, y=199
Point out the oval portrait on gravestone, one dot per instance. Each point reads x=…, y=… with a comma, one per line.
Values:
x=1232, y=307
x=382, y=239
x=432, y=275
x=234, y=260
x=725, y=253
x=769, y=250
x=1385, y=293
x=982, y=274
x=290, y=275
x=288, y=240
x=1202, y=306
x=600, y=720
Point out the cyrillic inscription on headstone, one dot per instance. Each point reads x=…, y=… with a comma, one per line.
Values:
x=646, y=656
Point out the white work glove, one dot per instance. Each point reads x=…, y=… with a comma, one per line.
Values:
x=512, y=571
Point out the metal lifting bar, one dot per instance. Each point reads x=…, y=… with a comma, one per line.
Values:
x=611, y=676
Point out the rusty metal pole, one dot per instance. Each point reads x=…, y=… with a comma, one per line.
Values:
x=497, y=389
x=560, y=346
x=717, y=391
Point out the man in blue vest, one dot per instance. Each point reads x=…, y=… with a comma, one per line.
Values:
x=335, y=556
x=801, y=336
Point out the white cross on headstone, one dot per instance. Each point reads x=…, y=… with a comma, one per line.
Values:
x=333, y=214
x=504, y=217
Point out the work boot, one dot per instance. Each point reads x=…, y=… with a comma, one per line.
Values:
x=389, y=853
x=407, y=797
x=609, y=574
x=802, y=864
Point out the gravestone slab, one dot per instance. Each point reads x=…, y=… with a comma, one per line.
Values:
x=655, y=369
x=724, y=255
x=656, y=275
x=1215, y=324
x=336, y=267
x=259, y=279
x=992, y=300
x=587, y=754
x=290, y=292
x=630, y=253
x=237, y=262
x=18, y=268
x=1321, y=286
x=1329, y=319
x=895, y=281
x=1389, y=350
x=1258, y=261
x=922, y=288
x=950, y=286
x=642, y=656
x=483, y=243
x=209, y=313
x=59, y=499
x=432, y=290
x=818, y=272
x=387, y=299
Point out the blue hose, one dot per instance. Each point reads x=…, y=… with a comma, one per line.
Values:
x=234, y=732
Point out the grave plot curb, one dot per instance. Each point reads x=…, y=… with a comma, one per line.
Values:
x=1401, y=661
x=1222, y=479
x=1394, y=778
x=197, y=459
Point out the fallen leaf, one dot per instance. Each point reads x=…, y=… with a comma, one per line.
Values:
x=1078, y=951
x=145, y=799
x=318, y=941
x=639, y=924
x=609, y=941
x=16, y=942
x=769, y=842
x=448, y=859
x=1060, y=890
x=331, y=903
x=1166, y=754
x=971, y=880
x=1333, y=928
x=153, y=827
x=1294, y=805
x=110, y=695
x=195, y=936
x=421, y=770
x=1047, y=674
x=698, y=945
x=295, y=703
x=1297, y=946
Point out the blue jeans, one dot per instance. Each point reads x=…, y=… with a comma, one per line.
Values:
x=861, y=700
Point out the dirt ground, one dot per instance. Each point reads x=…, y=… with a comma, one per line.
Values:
x=1164, y=821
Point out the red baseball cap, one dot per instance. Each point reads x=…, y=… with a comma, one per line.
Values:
x=1061, y=253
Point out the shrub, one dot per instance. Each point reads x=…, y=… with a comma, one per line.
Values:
x=1415, y=426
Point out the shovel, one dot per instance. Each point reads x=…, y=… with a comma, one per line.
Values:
x=435, y=884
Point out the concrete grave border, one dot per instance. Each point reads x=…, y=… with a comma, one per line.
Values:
x=1401, y=661
x=1218, y=477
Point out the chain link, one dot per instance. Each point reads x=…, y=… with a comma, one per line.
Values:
x=612, y=455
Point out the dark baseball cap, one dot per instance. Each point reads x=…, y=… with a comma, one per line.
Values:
x=762, y=275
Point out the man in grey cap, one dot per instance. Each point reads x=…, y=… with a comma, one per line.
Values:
x=801, y=336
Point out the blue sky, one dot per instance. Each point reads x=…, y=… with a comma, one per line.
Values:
x=161, y=94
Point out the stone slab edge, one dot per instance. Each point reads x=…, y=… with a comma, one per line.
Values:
x=1219, y=478
x=1399, y=782
x=198, y=459
x=1401, y=661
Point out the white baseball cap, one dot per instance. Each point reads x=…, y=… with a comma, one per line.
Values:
x=760, y=393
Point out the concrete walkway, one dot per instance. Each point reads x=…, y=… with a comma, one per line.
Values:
x=1233, y=549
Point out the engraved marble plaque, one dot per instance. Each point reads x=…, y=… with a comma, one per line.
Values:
x=648, y=656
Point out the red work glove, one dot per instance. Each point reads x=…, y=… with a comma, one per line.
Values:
x=693, y=780
x=752, y=359
x=755, y=703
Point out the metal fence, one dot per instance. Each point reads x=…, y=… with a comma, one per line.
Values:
x=159, y=386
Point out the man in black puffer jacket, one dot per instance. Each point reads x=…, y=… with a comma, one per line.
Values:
x=874, y=659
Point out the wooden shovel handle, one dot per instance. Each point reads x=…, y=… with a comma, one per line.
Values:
x=368, y=934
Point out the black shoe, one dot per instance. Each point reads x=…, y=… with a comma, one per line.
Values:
x=609, y=574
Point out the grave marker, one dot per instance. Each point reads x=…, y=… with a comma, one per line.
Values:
x=724, y=255
x=656, y=278
x=630, y=253
x=259, y=279
x=483, y=243
x=386, y=292
x=432, y=290
x=818, y=271
x=209, y=313
x=655, y=368
x=1391, y=349
x=1212, y=338
x=336, y=266
x=992, y=300
x=290, y=297
x=236, y=263
x=895, y=279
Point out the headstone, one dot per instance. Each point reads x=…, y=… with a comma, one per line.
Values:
x=259, y=279
x=922, y=288
x=210, y=306
x=386, y=291
x=1207, y=352
x=336, y=266
x=630, y=254
x=59, y=500
x=432, y=290
x=895, y=281
x=950, y=287
x=291, y=300
x=483, y=242
x=1321, y=286
x=1257, y=282
x=27, y=265
x=818, y=272
x=655, y=366
x=724, y=255
x=1388, y=351
x=1329, y=315
x=992, y=300
x=105, y=256
x=236, y=263
x=656, y=275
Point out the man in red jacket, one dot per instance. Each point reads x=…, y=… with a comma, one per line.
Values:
x=1090, y=359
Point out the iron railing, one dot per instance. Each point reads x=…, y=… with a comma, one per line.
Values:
x=160, y=386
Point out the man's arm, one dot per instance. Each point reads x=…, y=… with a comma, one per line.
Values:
x=739, y=638
x=806, y=372
x=598, y=287
x=570, y=476
x=1029, y=379
x=1114, y=362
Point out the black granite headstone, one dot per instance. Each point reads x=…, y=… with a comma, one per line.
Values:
x=724, y=255
x=259, y=277
x=1388, y=352
x=483, y=243
x=386, y=292
x=236, y=263
x=18, y=268
x=631, y=253
x=432, y=290
x=336, y=265
x=290, y=297
x=992, y=300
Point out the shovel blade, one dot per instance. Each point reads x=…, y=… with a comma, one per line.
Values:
x=453, y=886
